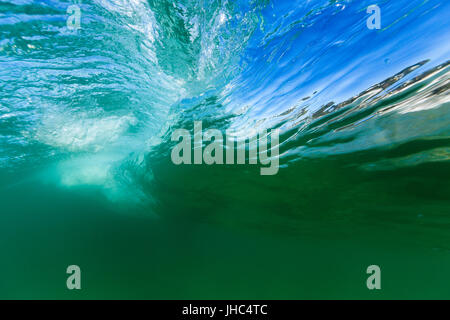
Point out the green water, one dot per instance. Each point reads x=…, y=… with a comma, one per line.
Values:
x=314, y=241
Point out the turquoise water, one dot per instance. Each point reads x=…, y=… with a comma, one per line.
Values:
x=86, y=176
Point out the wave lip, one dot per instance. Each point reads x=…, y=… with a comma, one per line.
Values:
x=138, y=70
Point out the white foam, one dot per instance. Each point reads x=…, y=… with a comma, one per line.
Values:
x=83, y=134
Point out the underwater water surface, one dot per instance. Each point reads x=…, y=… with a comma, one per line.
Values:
x=87, y=179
